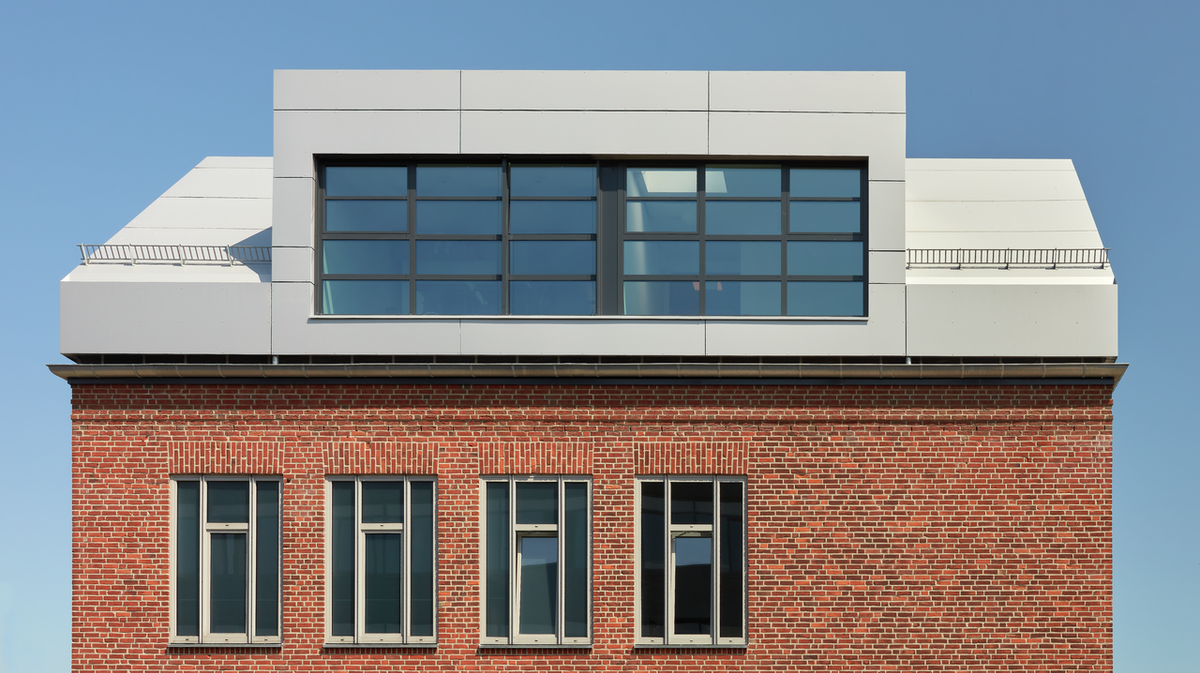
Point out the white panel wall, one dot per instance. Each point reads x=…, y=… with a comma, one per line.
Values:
x=585, y=133
x=584, y=90
x=592, y=337
x=1012, y=320
x=807, y=91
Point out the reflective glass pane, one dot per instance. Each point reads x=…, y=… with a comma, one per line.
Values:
x=743, y=181
x=742, y=258
x=843, y=182
x=364, y=297
x=825, y=258
x=458, y=297
x=552, y=217
x=693, y=585
x=691, y=502
x=552, y=180
x=653, y=588
x=559, y=258
x=497, y=560
x=366, y=215
x=575, y=560
x=537, y=502
x=229, y=502
x=458, y=180
x=458, y=257
x=552, y=297
x=341, y=559
x=421, y=554
x=825, y=216
x=539, y=583
x=373, y=257
x=187, y=558
x=660, y=216
x=662, y=297
x=732, y=535
x=458, y=217
x=825, y=298
x=227, y=582
x=662, y=258
x=366, y=180
x=382, y=502
x=743, y=217
x=660, y=181
x=729, y=297
x=266, y=564
x=381, y=589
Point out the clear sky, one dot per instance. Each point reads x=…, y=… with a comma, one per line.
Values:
x=104, y=105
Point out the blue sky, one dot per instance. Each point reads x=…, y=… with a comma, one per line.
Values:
x=104, y=105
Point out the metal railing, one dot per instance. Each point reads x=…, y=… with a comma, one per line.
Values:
x=176, y=254
x=1008, y=257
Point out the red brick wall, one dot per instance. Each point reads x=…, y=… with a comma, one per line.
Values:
x=890, y=527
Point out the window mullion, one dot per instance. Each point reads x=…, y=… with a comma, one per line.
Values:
x=715, y=567
x=251, y=562
x=561, y=566
x=514, y=564
x=405, y=561
x=360, y=567
x=204, y=561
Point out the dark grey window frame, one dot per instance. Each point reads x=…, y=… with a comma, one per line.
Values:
x=610, y=235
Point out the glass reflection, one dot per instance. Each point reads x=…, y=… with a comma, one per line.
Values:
x=532, y=180
x=691, y=502
x=743, y=217
x=552, y=217
x=825, y=258
x=497, y=560
x=552, y=297
x=825, y=298
x=365, y=257
x=420, y=566
x=742, y=258
x=382, y=501
x=693, y=585
x=660, y=182
x=560, y=258
x=366, y=215
x=537, y=503
x=660, y=216
x=644, y=258
x=458, y=257
x=227, y=574
x=266, y=564
x=228, y=502
x=725, y=297
x=653, y=568
x=731, y=580
x=825, y=216
x=458, y=217
x=458, y=181
x=458, y=297
x=366, y=180
x=364, y=297
x=828, y=182
x=187, y=559
x=662, y=297
x=539, y=583
x=381, y=607
x=743, y=181
x=575, y=560
x=341, y=559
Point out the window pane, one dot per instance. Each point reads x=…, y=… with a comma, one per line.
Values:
x=691, y=502
x=421, y=554
x=552, y=181
x=552, y=297
x=552, y=217
x=575, y=560
x=229, y=502
x=497, y=559
x=187, y=558
x=381, y=588
x=732, y=542
x=366, y=180
x=660, y=216
x=725, y=297
x=662, y=257
x=742, y=258
x=825, y=298
x=227, y=572
x=458, y=257
x=825, y=216
x=539, y=581
x=365, y=257
x=458, y=297
x=560, y=258
x=843, y=182
x=366, y=215
x=653, y=598
x=266, y=568
x=825, y=258
x=364, y=297
x=743, y=217
x=382, y=502
x=341, y=559
x=458, y=217
x=693, y=585
x=735, y=181
x=662, y=297
x=537, y=503
x=660, y=182
x=458, y=180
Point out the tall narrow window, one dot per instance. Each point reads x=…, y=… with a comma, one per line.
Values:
x=537, y=551
x=381, y=560
x=691, y=561
x=226, y=560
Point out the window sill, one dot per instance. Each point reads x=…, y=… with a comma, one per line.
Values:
x=690, y=646
x=617, y=318
x=535, y=646
x=379, y=646
x=237, y=646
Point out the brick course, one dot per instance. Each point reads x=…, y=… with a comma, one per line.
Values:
x=890, y=527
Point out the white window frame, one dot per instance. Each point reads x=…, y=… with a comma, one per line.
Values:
x=515, y=533
x=361, y=529
x=671, y=533
x=206, y=531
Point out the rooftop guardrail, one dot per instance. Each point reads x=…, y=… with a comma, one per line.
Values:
x=1008, y=257
x=175, y=254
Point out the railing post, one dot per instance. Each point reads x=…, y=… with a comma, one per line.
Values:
x=132, y=254
x=179, y=251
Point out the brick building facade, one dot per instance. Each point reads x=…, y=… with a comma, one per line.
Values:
x=260, y=484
